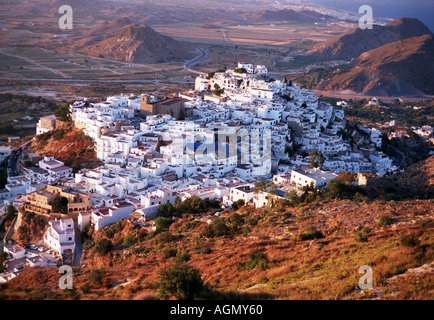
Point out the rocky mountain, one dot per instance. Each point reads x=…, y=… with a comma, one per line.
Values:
x=353, y=43
x=123, y=40
x=403, y=67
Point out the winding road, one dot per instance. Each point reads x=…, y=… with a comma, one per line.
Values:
x=202, y=55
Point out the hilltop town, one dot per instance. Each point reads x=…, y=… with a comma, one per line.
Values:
x=239, y=129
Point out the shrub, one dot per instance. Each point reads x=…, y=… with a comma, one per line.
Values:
x=311, y=235
x=216, y=229
x=235, y=219
x=166, y=209
x=366, y=230
x=257, y=260
x=85, y=288
x=96, y=276
x=410, y=240
x=128, y=239
x=164, y=237
x=169, y=253
x=183, y=257
x=180, y=281
x=163, y=223
x=103, y=247
x=362, y=237
x=206, y=250
x=385, y=221
x=237, y=204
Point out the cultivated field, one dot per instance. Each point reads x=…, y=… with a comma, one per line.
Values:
x=32, y=62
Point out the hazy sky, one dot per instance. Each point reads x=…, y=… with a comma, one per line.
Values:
x=420, y=9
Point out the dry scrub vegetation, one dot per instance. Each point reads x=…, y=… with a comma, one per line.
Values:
x=259, y=253
x=67, y=144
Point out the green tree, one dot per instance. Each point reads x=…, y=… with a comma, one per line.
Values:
x=60, y=205
x=180, y=281
x=11, y=212
x=316, y=159
x=237, y=204
x=62, y=112
x=166, y=209
x=240, y=70
x=163, y=223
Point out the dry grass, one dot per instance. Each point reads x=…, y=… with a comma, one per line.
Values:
x=319, y=269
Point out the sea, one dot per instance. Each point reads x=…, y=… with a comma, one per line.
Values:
x=419, y=9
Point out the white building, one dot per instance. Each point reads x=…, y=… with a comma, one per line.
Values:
x=60, y=235
x=46, y=124
x=306, y=177
x=101, y=217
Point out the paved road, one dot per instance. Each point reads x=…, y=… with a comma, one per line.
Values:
x=401, y=158
x=15, y=168
x=78, y=247
x=202, y=55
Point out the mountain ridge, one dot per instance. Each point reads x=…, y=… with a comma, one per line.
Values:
x=353, y=43
x=403, y=67
x=123, y=40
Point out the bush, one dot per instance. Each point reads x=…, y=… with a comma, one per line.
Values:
x=216, y=229
x=128, y=239
x=164, y=238
x=62, y=112
x=85, y=288
x=169, y=253
x=362, y=237
x=10, y=213
x=96, y=276
x=311, y=235
x=180, y=281
x=410, y=240
x=206, y=250
x=183, y=257
x=385, y=221
x=163, y=223
x=166, y=209
x=238, y=204
x=257, y=260
x=103, y=247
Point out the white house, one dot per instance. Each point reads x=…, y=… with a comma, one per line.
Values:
x=243, y=192
x=101, y=217
x=306, y=177
x=60, y=235
x=46, y=124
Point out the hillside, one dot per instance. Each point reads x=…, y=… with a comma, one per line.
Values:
x=353, y=43
x=403, y=67
x=416, y=180
x=67, y=144
x=295, y=263
x=122, y=40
